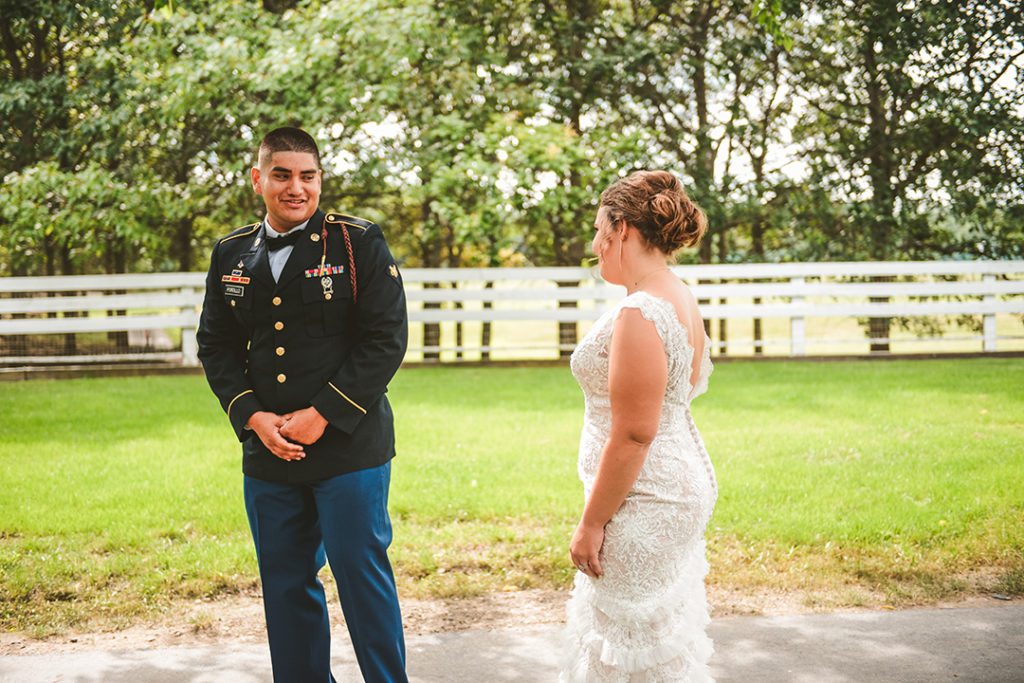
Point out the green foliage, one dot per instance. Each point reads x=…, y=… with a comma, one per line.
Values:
x=89, y=218
x=911, y=116
x=52, y=72
x=483, y=133
x=767, y=13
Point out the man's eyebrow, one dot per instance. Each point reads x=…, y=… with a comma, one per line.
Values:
x=282, y=169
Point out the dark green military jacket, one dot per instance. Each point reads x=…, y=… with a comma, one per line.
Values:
x=313, y=338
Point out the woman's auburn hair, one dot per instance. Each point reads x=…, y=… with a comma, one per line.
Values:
x=655, y=203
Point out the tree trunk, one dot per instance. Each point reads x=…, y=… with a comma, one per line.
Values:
x=568, y=249
x=704, y=167
x=431, y=331
x=67, y=268
x=17, y=344
x=881, y=167
x=117, y=262
x=722, y=329
x=279, y=6
x=458, y=327
x=567, y=331
x=431, y=253
x=182, y=244
x=566, y=254
x=757, y=244
x=485, y=330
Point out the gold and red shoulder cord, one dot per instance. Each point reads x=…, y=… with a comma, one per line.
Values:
x=351, y=256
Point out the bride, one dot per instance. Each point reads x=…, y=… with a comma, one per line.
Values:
x=638, y=609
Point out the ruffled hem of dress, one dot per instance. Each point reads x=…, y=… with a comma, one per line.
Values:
x=695, y=651
x=681, y=636
x=681, y=660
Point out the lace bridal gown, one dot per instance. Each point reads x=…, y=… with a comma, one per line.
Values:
x=644, y=620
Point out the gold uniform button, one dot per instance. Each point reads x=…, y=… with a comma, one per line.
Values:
x=279, y=325
x=315, y=237
x=279, y=350
x=326, y=296
x=281, y=378
x=276, y=301
x=232, y=302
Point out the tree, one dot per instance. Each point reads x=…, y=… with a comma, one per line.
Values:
x=53, y=71
x=194, y=80
x=761, y=104
x=567, y=144
x=690, y=75
x=429, y=79
x=903, y=98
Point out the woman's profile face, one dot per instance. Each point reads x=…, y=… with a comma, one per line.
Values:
x=603, y=246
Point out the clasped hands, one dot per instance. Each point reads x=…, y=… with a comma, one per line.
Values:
x=285, y=434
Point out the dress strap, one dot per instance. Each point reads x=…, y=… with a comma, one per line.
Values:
x=675, y=337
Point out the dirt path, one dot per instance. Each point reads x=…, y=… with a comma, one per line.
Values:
x=240, y=619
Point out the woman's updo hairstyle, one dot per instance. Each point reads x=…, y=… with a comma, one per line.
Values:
x=655, y=203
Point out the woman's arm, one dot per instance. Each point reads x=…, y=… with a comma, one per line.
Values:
x=637, y=375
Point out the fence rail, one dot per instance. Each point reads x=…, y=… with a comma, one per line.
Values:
x=515, y=313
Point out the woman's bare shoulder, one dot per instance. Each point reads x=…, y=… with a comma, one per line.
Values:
x=681, y=297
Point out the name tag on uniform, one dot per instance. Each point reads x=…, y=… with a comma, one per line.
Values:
x=234, y=290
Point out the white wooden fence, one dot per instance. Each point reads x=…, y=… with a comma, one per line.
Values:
x=802, y=308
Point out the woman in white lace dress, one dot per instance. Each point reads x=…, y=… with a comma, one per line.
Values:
x=638, y=609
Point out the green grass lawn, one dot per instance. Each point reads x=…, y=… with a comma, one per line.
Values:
x=896, y=482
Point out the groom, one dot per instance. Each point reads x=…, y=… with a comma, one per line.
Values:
x=303, y=325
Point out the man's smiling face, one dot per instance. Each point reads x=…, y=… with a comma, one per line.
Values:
x=289, y=183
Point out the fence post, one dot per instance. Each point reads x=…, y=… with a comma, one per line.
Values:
x=797, y=325
x=989, y=343
x=189, y=346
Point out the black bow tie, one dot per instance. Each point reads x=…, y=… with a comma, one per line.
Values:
x=289, y=240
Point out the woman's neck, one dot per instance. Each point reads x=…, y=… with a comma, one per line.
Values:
x=645, y=272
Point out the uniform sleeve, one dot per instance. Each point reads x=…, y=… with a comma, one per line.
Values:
x=222, y=348
x=383, y=322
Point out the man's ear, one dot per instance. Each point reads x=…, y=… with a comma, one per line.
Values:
x=255, y=175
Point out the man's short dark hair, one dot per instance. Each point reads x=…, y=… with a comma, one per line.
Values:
x=287, y=139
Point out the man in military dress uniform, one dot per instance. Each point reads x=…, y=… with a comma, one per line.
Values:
x=304, y=323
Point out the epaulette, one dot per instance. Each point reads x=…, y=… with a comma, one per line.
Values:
x=353, y=221
x=241, y=232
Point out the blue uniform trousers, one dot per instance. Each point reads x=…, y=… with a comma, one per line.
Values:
x=296, y=527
